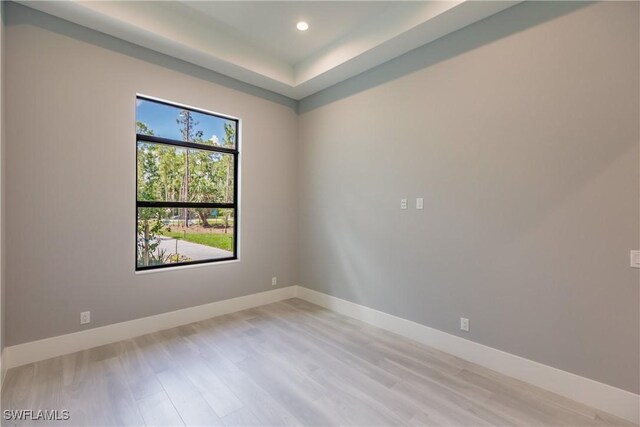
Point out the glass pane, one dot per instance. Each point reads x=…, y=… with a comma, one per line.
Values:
x=166, y=121
x=163, y=171
x=173, y=235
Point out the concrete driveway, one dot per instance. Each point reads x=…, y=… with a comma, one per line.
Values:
x=195, y=251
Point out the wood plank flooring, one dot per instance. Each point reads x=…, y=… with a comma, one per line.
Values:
x=283, y=364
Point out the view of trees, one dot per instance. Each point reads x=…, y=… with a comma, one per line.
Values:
x=178, y=174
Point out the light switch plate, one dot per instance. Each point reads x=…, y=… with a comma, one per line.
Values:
x=635, y=259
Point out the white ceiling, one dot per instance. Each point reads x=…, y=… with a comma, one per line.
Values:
x=257, y=42
x=271, y=25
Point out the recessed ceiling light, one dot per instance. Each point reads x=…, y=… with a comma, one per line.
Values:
x=302, y=26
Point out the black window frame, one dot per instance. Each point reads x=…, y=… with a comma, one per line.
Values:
x=235, y=152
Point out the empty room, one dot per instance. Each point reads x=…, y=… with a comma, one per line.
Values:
x=319, y=213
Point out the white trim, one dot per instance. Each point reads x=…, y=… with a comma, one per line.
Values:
x=188, y=266
x=34, y=351
x=3, y=368
x=598, y=395
x=618, y=402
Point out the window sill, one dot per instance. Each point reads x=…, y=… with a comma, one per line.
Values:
x=184, y=267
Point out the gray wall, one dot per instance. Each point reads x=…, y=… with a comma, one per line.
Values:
x=521, y=133
x=71, y=182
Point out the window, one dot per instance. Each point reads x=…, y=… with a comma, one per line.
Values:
x=186, y=189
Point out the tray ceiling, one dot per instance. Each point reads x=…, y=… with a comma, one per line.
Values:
x=257, y=41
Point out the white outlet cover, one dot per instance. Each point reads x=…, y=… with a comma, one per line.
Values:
x=464, y=324
x=403, y=203
x=635, y=259
x=419, y=203
x=85, y=317
x=274, y=281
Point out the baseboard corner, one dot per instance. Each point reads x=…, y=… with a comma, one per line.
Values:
x=621, y=403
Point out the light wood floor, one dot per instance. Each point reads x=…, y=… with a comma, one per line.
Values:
x=289, y=363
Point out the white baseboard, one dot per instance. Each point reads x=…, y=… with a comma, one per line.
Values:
x=34, y=351
x=583, y=390
x=610, y=399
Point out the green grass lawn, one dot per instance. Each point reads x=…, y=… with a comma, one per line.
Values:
x=216, y=240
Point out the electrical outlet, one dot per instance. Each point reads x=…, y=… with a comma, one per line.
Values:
x=635, y=259
x=403, y=203
x=274, y=281
x=464, y=324
x=419, y=203
x=85, y=317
